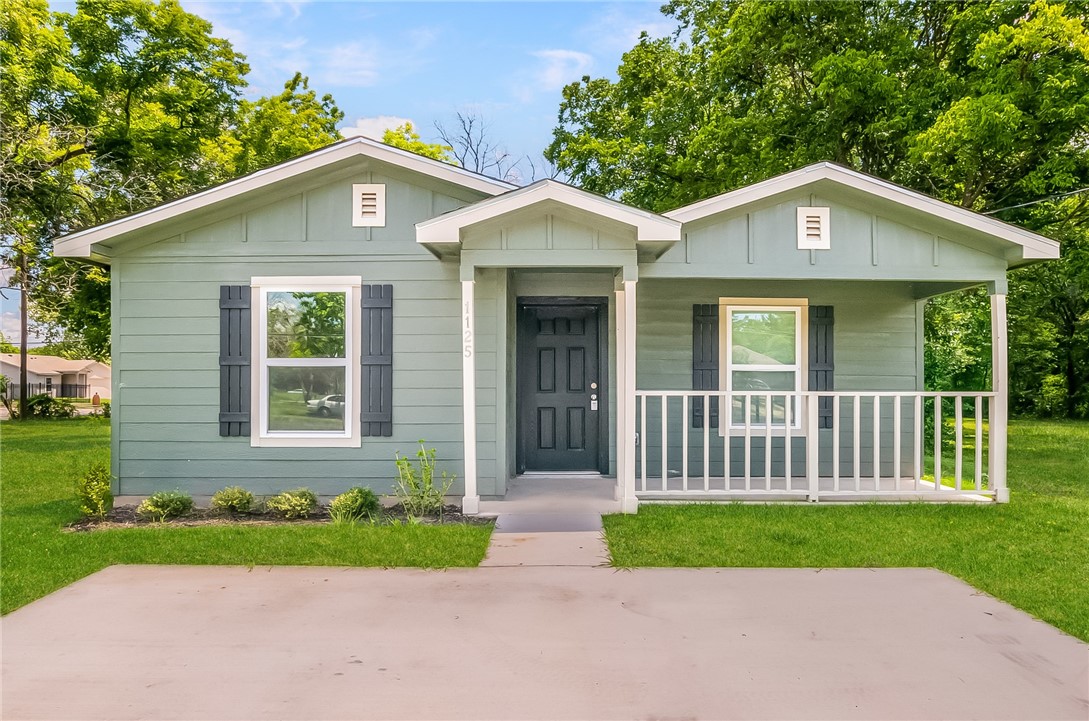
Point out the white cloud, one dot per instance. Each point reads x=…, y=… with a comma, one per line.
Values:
x=348, y=65
x=560, y=67
x=373, y=127
x=617, y=29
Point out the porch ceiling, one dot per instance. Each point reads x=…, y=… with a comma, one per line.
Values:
x=653, y=233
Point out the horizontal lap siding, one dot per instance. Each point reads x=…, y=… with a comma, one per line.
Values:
x=874, y=340
x=166, y=352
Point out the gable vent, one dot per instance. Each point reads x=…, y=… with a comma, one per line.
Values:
x=368, y=205
x=813, y=230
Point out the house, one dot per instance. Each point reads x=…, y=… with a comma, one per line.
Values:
x=58, y=377
x=302, y=324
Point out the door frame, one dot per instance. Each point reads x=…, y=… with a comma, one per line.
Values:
x=523, y=382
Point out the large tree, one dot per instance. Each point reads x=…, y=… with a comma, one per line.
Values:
x=117, y=106
x=982, y=104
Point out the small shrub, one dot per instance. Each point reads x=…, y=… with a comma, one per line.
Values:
x=104, y=409
x=233, y=499
x=296, y=503
x=354, y=505
x=93, y=491
x=165, y=504
x=46, y=406
x=416, y=489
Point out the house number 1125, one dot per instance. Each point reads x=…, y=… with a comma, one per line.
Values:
x=467, y=331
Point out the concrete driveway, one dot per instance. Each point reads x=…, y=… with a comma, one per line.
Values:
x=147, y=642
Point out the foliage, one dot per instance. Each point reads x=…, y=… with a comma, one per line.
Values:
x=6, y=347
x=405, y=137
x=44, y=405
x=233, y=499
x=354, y=505
x=113, y=108
x=297, y=503
x=164, y=505
x=93, y=491
x=105, y=409
x=985, y=105
x=416, y=489
x=41, y=462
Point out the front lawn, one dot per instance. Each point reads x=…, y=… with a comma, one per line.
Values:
x=40, y=462
x=1032, y=552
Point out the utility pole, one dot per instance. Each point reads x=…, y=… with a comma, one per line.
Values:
x=24, y=287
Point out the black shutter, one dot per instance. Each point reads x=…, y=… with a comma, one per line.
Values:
x=704, y=360
x=376, y=396
x=234, y=360
x=821, y=359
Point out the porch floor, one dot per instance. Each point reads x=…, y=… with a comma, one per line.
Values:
x=560, y=493
x=798, y=486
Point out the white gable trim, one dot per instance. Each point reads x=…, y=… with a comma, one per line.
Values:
x=1032, y=245
x=446, y=229
x=79, y=244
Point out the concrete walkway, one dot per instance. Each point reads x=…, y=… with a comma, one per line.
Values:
x=153, y=642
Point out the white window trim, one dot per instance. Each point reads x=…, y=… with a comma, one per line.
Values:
x=726, y=366
x=351, y=286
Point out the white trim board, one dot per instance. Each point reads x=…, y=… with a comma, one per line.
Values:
x=79, y=244
x=1031, y=246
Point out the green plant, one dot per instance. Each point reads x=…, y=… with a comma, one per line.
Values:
x=416, y=488
x=165, y=504
x=46, y=406
x=93, y=491
x=354, y=505
x=104, y=409
x=296, y=503
x=233, y=499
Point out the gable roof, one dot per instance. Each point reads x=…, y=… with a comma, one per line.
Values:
x=1019, y=246
x=79, y=244
x=46, y=365
x=442, y=234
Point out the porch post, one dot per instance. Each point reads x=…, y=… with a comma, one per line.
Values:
x=621, y=395
x=470, y=503
x=628, y=502
x=996, y=463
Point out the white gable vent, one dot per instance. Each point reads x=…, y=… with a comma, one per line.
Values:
x=813, y=230
x=368, y=205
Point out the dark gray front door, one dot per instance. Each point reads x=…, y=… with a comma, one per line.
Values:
x=560, y=386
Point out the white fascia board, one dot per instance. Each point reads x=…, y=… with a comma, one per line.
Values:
x=1032, y=244
x=79, y=244
x=447, y=228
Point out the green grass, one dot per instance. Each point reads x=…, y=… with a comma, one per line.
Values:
x=40, y=462
x=1032, y=552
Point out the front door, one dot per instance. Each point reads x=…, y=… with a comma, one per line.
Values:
x=560, y=384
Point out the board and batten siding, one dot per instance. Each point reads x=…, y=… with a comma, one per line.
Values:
x=166, y=344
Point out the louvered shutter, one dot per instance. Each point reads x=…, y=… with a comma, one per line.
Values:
x=822, y=359
x=376, y=394
x=234, y=360
x=704, y=360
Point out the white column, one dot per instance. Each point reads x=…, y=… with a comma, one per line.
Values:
x=996, y=465
x=470, y=504
x=622, y=404
x=628, y=502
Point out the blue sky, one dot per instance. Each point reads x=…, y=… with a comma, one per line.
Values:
x=423, y=61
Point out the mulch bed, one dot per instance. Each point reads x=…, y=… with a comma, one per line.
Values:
x=126, y=517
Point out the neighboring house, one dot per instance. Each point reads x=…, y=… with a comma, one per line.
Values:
x=58, y=377
x=542, y=329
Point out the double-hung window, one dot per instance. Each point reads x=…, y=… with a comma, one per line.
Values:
x=764, y=351
x=307, y=376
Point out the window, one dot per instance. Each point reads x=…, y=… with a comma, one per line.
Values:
x=764, y=357
x=307, y=374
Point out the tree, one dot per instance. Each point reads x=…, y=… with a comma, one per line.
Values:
x=405, y=137
x=472, y=146
x=115, y=107
x=985, y=105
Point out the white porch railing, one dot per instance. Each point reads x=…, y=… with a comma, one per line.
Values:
x=817, y=445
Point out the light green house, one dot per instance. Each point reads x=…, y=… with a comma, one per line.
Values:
x=300, y=325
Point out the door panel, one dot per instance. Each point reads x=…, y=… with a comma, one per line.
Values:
x=560, y=387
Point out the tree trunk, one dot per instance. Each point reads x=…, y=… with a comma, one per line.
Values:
x=24, y=287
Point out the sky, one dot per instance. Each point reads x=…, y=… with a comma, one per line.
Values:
x=386, y=63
